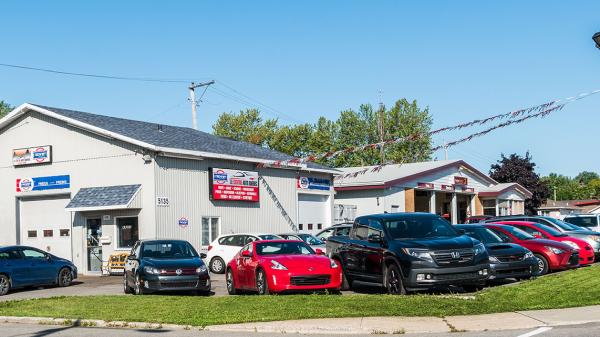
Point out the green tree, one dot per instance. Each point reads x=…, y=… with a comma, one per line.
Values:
x=521, y=170
x=4, y=109
x=247, y=125
x=565, y=187
x=586, y=177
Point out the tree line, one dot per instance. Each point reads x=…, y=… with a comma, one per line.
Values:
x=585, y=185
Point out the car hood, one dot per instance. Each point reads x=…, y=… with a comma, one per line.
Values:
x=173, y=263
x=501, y=249
x=296, y=261
x=438, y=243
x=550, y=243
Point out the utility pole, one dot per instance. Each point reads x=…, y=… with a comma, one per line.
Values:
x=381, y=127
x=445, y=150
x=192, y=99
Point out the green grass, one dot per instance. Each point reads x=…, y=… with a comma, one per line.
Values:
x=568, y=289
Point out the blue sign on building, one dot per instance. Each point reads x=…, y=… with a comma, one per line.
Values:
x=43, y=183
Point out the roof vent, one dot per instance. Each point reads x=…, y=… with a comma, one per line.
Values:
x=160, y=128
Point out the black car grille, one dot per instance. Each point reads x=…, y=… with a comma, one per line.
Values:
x=182, y=271
x=574, y=259
x=179, y=284
x=513, y=271
x=451, y=257
x=511, y=258
x=456, y=276
x=312, y=280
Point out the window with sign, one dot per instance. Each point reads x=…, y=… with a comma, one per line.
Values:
x=211, y=229
x=127, y=232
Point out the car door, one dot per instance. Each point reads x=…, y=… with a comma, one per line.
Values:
x=232, y=247
x=373, y=252
x=243, y=264
x=41, y=268
x=353, y=253
x=11, y=263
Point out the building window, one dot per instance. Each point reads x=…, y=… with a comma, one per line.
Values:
x=319, y=226
x=300, y=227
x=64, y=232
x=489, y=206
x=310, y=227
x=211, y=229
x=32, y=234
x=127, y=232
x=48, y=233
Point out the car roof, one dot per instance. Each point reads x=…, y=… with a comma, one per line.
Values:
x=162, y=240
x=276, y=241
x=468, y=225
x=581, y=215
x=392, y=216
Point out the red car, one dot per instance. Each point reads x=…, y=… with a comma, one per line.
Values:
x=552, y=255
x=273, y=266
x=586, y=252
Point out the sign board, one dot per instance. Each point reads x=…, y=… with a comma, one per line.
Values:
x=233, y=185
x=425, y=185
x=32, y=155
x=307, y=183
x=461, y=181
x=162, y=201
x=43, y=183
x=183, y=222
x=447, y=187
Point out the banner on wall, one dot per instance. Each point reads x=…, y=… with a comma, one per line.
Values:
x=32, y=155
x=43, y=183
x=233, y=185
x=307, y=183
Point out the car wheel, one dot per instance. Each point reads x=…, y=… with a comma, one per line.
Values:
x=126, y=288
x=217, y=265
x=393, y=281
x=4, y=285
x=138, y=287
x=261, y=282
x=542, y=265
x=230, y=283
x=65, y=277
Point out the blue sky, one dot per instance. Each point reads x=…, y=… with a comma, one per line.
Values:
x=304, y=59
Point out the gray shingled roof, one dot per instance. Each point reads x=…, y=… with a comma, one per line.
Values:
x=175, y=136
x=103, y=196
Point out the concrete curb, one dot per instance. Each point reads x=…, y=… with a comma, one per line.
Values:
x=360, y=325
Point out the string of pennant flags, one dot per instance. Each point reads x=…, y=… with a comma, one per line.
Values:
x=514, y=117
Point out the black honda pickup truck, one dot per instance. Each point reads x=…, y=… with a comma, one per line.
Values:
x=409, y=251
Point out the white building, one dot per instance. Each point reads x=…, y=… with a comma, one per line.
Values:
x=83, y=186
x=450, y=188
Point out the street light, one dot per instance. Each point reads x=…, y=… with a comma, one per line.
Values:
x=596, y=39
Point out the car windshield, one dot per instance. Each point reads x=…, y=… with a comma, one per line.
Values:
x=483, y=234
x=419, y=227
x=549, y=230
x=283, y=248
x=518, y=233
x=311, y=239
x=269, y=237
x=168, y=250
x=561, y=224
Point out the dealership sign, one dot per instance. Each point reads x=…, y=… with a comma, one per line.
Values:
x=233, y=185
x=32, y=155
x=306, y=183
x=43, y=183
x=461, y=181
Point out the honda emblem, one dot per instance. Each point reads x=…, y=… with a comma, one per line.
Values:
x=455, y=255
x=178, y=271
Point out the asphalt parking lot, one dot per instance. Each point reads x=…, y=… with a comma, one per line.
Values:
x=112, y=285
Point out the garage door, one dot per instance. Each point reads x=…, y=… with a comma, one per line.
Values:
x=46, y=225
x=313, y=212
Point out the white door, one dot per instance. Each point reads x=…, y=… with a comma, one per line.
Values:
x=46, y=225
x=313, y=212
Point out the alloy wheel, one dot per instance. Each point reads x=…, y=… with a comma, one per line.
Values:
x=229, y=282
x=4, y=285
x=261, y=283
x=217, y=265
x=66, y=277
x=138, y=286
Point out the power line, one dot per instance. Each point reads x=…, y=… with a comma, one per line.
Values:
x=124, y=78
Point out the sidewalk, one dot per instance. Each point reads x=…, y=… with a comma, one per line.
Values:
x=399, y=325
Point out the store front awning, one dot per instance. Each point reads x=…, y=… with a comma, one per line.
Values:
x=106, y=198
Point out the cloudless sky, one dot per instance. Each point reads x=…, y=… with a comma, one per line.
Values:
x=305, y=59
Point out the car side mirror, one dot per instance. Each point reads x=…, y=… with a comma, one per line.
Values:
x=203, y=255
x=132, y=257
x=246, y=253
x=319, y=251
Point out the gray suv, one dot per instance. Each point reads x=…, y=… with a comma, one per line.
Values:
x=591, y=237
x=589, y=221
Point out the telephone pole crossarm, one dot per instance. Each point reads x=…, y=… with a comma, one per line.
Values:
x=192, y=88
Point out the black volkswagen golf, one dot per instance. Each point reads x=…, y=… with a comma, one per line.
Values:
x=165, y=265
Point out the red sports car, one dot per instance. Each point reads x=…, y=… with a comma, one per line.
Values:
x=552, y=255
x=273, y=266
x=586, y=252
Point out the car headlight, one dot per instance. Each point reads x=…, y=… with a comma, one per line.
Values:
x=332, y=263
x=277, y=266
x=528, y=255
x=555, y=250
x=151, y=270
x=201, y=269
x=422, y=254
x=479, y=249
x=595, y=238
x=494, y=259
x=572, y=244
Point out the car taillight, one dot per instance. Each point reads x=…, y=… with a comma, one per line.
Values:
x=209, y=248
